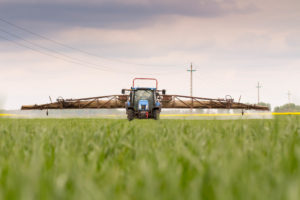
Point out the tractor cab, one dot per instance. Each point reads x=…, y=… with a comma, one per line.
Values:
x=143, y=102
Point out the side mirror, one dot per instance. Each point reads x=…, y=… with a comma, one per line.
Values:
x=123, y=91
x=163, y=91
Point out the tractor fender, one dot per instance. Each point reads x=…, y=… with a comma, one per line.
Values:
x=157, y=106
x=128, y=105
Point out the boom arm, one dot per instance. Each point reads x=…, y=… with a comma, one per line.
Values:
x=179, y=101
x=167, y=101
x=108, y=102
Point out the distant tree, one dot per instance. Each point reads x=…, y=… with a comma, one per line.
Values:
x=289, y=107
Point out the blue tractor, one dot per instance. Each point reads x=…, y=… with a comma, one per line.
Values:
x=143, y=102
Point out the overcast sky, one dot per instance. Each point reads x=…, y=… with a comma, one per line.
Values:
x=73, y=48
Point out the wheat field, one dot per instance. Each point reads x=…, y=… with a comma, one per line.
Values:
x=147, y=159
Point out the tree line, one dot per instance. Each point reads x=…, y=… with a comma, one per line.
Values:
x=289, y=107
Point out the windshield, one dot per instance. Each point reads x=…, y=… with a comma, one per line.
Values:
x=143, y=95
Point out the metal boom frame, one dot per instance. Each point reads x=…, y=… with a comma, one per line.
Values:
x=167, y=101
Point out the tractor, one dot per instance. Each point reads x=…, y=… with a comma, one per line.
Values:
x=143, y=102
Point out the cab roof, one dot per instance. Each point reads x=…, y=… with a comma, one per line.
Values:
x=142, y=88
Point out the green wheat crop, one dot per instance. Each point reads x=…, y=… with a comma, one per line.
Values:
x=147, y=159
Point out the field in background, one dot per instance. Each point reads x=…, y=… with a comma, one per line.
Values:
x=121, y=114
x=147, y=159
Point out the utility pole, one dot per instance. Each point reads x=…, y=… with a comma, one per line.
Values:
x=258, y=87
x=191, y=70
x=289, y=96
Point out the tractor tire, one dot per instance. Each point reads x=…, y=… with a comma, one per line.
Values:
x=130, y=114
x=156, y=114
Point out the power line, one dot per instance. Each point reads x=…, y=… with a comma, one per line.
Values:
x=51, y=50
x=45, y=48
x=77, y=49
x=47, y=54
x=62, y=56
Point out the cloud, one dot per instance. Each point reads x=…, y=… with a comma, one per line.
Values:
x=232, y=43
x=112, y=14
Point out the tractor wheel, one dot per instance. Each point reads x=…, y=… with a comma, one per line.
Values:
x=130, y=114
x=156, y=114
